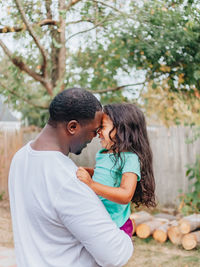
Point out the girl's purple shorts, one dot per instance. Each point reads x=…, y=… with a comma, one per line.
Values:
x=128, y=227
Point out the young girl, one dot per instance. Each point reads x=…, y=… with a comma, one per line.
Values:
x=123, y=170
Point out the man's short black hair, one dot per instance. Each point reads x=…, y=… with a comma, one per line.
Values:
x=73, y=104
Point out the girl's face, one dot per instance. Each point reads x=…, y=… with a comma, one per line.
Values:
x=107, y=126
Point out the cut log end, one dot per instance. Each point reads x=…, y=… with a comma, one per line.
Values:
x=143, y=231
x=189, y=223
x=138, y=218
x=160, y=236
x=192, y=240
x=175, y=235
x=189, y=242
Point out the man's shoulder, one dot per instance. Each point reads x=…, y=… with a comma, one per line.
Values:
x=59, y=164
x=55, y=161
x=64, y=163
x=20, y=153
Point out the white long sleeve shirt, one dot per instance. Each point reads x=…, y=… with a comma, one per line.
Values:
x=59, y=221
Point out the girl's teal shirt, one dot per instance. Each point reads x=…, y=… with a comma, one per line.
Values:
x=108, y=173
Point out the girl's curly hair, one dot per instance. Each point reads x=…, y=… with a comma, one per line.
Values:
x=131, y=135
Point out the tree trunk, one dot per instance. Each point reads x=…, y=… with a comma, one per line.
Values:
x=191, y=240
x=62, y=51
x=139, y=217
x=58, y=48
x=160, y=234
x=145, y=229
x=174, y=233
x=189, y=223
x=54, y=56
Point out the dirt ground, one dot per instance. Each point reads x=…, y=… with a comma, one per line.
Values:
x=147, y=252
x=6, y=237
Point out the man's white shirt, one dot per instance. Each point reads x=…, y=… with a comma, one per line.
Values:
x=58, y=221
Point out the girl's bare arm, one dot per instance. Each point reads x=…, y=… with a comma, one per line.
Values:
x=121, y=195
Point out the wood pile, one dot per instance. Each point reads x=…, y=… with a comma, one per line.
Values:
x=180, y=231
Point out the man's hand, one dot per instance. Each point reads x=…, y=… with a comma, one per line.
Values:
x=84, y=176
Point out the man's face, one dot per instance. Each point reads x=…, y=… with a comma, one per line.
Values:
x=86, y=134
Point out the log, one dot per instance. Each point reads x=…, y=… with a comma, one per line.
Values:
x=160, y=234
x=174, y=233
x=145, y=229
x=191, y=240
x=140, y=217
x=165, y=216
x=162, y=220
x=189, y=223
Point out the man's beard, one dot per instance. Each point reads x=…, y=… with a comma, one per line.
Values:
x=80, y=150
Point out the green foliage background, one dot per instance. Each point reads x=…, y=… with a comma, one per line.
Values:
x=114, y=39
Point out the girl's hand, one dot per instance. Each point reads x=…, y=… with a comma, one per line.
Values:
x=90, y=170
x=84, y=176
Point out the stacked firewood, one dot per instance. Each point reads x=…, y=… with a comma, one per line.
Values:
x=163, y=226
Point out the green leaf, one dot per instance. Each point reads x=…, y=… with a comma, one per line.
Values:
x=197, y=74
x=154, y=85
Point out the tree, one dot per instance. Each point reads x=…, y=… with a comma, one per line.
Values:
x=43, y=61
x=162, y=39
x=113, y=39
x=165, y=43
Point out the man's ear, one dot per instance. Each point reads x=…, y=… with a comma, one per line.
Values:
x=73, y=126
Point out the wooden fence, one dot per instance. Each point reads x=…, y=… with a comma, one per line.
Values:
x=170, y=151
x=171, y=154
x=10, y=142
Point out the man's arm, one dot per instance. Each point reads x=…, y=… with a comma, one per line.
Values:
x=86, y=218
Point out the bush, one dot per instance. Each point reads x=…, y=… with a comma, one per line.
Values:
x=190, y=202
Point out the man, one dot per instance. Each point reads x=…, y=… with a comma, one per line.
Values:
x=58, y=221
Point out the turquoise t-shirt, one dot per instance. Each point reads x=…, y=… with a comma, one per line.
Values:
x=107, y=174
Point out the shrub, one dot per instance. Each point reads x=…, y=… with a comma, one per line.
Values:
x=190, y=202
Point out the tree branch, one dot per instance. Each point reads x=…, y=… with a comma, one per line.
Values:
x=48, y=9
x=115, y=88
x=112, y=7
x=98, y=24
x=22, y=98
x=71, y=3
x=85, y=20
x=80, y=21
x=30, y=29
x=8, y=29
x=22, y=66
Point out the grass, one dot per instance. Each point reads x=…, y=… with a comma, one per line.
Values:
x=150, y=253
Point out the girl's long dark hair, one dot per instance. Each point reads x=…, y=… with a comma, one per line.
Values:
x=131, y=135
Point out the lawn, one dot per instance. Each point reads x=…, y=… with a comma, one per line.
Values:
x=148, y=253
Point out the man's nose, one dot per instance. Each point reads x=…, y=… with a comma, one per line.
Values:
x=99, y=131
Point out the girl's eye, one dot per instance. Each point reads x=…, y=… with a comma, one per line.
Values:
x=101, y=127
x=96, y=132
